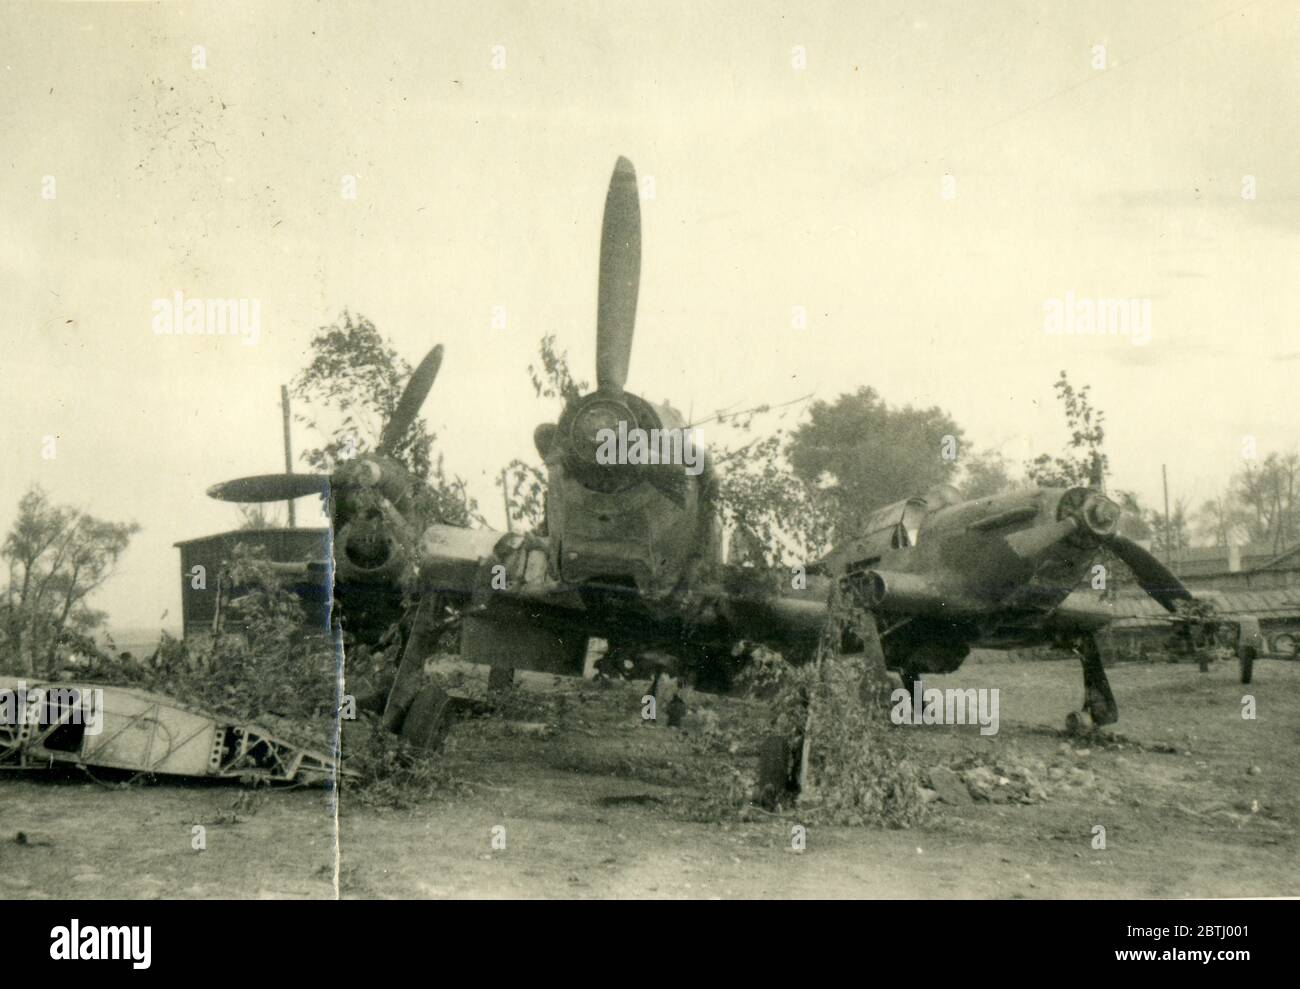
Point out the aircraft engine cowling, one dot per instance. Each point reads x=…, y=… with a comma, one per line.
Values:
x=597, y=416
x=368, y=549
x=584, y=429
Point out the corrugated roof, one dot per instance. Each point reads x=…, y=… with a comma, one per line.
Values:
x=1202, y=561
x=1134, y=609
x=252, y=532
x=1286, y=556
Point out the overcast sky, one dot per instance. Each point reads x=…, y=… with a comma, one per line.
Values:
x=797, y=153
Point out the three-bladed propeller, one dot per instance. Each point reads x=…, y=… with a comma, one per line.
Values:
x=286, y=487
x=1097, y=517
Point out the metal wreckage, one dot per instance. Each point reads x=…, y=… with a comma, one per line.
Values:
x=51, y=725
x=631, y=553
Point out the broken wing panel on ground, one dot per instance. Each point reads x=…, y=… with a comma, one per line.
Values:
x=138, y=731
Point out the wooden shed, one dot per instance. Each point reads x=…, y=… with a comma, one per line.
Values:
x=307, y=550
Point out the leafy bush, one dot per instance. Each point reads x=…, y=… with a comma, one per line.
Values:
x=856, y=770
x=765, y=673
x=390, y=771
x=263, y=659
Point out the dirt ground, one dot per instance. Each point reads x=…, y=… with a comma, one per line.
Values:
x=590, y=802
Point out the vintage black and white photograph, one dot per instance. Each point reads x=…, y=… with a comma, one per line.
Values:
x=632, y=451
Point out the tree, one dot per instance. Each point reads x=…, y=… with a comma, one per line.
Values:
x=1173, y=535
x=860, y=454
x=1084, y=461
x=774, y=515
x=258, y=516
x=1268, y=496
x=56, y=557
x=985, y=473
x=524, y=488
x=1134, y=519
x=553, y=379
x=358, y=376
x=523, y=485
x=1219, y=520
x=355, y=378
x=263, y=658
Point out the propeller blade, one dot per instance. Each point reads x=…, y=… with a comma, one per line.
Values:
x=620, y=277
x=413, y=396
x=270, y=487
x=1156, y=579
x=1029, y=543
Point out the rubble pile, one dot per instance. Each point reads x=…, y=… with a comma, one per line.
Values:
x=1011, y=780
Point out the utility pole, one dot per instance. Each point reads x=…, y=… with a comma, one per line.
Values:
x=1169, y=549
x=505, y=496
x=288, y=446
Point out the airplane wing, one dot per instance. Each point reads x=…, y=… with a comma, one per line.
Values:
x=451, y=557
x=515, y=613
x=1087, y=611
x=479, y=566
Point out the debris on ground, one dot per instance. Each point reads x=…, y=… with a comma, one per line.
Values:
x=948, y=786
x=124, y=729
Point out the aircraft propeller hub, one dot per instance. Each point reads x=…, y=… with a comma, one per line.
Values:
x=1091, y=511
x=1101, y=515
x=593, y=419
x=363, y=473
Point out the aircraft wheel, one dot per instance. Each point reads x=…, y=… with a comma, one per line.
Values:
x=428, y=719
x=1247, y=664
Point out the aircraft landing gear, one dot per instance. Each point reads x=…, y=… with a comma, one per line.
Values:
x=428, y=719
x=418, y=711
x=1098, y=700
x=1247, y=662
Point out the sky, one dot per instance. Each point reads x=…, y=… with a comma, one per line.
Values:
x=923, y=181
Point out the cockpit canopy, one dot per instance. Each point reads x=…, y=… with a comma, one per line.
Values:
x=899, y=522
